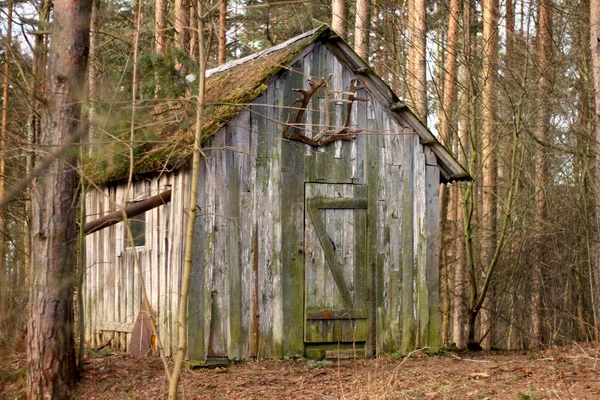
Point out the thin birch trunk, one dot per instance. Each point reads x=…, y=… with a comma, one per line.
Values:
x=189, y=238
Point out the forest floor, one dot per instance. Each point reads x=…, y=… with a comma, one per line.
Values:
x=571, y=372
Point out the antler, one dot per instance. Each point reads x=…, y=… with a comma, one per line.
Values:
x=345, y=133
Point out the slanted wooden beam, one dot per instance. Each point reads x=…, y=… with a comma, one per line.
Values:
x=131, y=210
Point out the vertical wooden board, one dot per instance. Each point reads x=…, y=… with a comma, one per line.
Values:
x=152, y=222
x=196, y=303
x=433, y=252
x=264, y=209
x=101, y=264
x=166, y=243
x=292, y=230
x=258, y=123
x=220, y=261
x=338, y=83
x=348, y=258
x=210, y=232
x=160, y=236
x=307, y=63
x=175, y=259
x=372, y=172
x=110, y=271
x=247, y=164
x=420, y=244
x=358, y=150
x=275, y=187
x=395, y=146
x=243, y=161
x=90, y=262
x=408, y=292
x=235, y=329
x=272, y=114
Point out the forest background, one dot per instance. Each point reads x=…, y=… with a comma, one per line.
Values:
x=508, y=86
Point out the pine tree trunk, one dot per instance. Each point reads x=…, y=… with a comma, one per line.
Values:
x=417, y=79
x=339, y=17
x=160, y=27
x=182, y=22
x=222, y=32
x=3, y=152
x=447, y=126
x=595, y=46
x=51, y=350
x=544, y=49
x=361, y=29
x=93, y=67
x=488, y=141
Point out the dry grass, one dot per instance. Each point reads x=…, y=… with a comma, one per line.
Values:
x=562, y=373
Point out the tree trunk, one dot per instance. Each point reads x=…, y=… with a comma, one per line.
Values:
x=191, y=218
x=182, y=22
x=361, y=29
x=3, y=152
x=222, y=32
x=595, y=46
x=447, y=126
x=339, y=17
x=544, y=44
x=489, y=102
x=51, y=350
x=93, y=67
x=160, y=27
x=417, y=79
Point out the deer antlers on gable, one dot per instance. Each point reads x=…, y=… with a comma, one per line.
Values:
x=327, y=136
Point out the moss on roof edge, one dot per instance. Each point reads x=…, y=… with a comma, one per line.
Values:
x=221, y=108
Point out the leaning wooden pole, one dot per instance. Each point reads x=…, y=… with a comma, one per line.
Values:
x=189, y=238
x=130, y=211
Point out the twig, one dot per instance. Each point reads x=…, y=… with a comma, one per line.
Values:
x=470, y=359
x=393, y=380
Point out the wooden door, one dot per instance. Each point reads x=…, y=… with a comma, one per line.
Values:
x=335, y=263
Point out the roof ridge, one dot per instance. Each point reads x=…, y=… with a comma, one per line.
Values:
x=262, y=53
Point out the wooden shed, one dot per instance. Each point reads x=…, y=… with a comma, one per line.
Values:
x=318, y=222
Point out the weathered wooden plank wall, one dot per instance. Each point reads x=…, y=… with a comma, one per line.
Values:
x=113, y=285
x=247, y=297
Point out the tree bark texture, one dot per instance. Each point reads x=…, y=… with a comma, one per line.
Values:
x=595, y=46
x=361, y=29
x=339, y=17
x=191, y=218
x=3, y=151
x=182, y=23
x=51, y=350
x=488, y=143
x=544, y=44
x=222, y=59
x=447, y=126
x=417, y=79
x=93, y=67
x=160, y=27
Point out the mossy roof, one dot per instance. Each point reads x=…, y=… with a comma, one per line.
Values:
x=228, y=88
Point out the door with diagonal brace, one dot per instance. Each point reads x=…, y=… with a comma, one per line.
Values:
x=335, y=263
